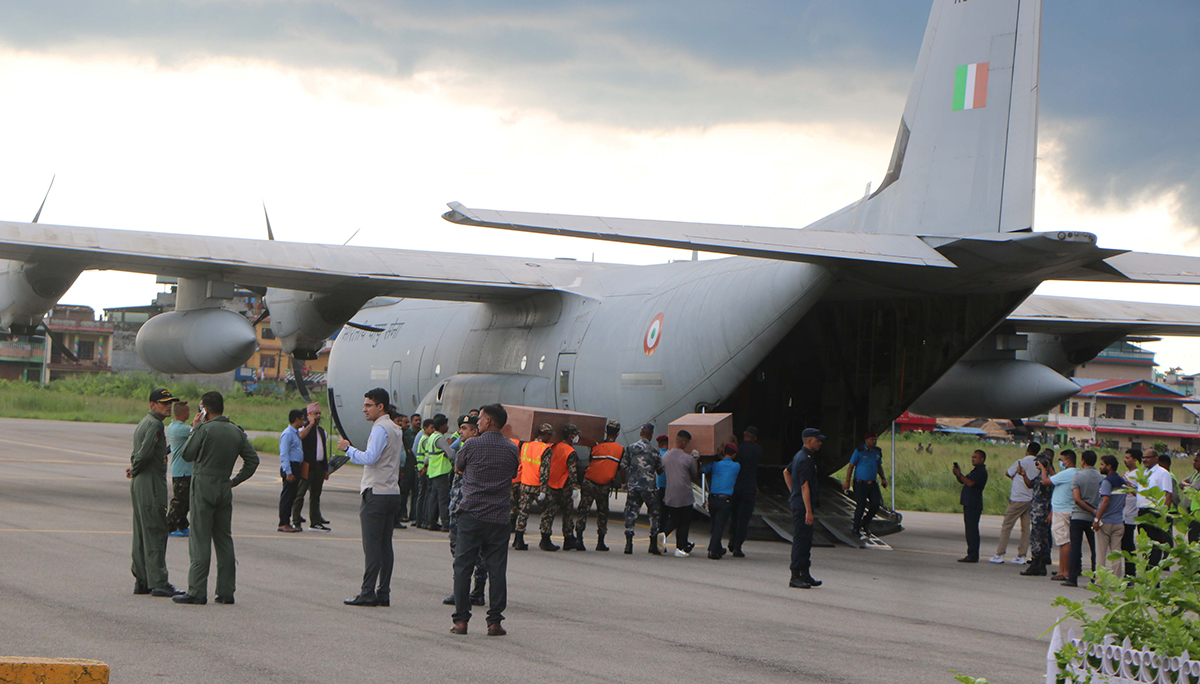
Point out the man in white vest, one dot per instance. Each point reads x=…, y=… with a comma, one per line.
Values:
x=380, y=490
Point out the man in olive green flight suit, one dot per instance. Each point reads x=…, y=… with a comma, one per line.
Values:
x=148, y=489
x=213, y=448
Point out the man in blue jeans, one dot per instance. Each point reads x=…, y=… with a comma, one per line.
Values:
x=866, y=467
x=801, y=479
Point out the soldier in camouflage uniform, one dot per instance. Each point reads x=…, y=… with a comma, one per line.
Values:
x=641, y=463
x=557, y=476
x=531, y=482
x=468, y=427
x=148, y=490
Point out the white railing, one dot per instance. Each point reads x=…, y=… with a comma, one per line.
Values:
x=1181, y=429
x=1108, y=663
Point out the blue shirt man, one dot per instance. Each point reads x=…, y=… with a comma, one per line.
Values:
x=291, y=455
x=866, y=465
x=177, y=435
x=720, y=499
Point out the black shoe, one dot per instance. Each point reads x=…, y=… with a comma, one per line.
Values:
x=737, y=553
x=188, y=598
x=227, y=600
x=1069, y=583
x=361, y=601
x=519, y=542
x=600, y=543
x=322, y=527
x=546, y=544
x=167, y=590
x=968, y=559
x=812, y=582
x=399, y=526
x=1034, y=570
x=140, y=589
x=628, y=544
x=383, y=602
x=477, y=599
x=714, y=556
x=797, y=582
x=448, y=601
x=690, y=546
x=435, y=528
x=577, y=544
x=654, y=550
x=302, y=520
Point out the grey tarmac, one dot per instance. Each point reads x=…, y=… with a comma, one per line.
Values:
x=908, y=615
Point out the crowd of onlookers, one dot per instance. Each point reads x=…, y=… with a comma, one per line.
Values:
x=1062, y=501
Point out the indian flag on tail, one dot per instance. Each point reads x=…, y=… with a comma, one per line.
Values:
x=970, y=86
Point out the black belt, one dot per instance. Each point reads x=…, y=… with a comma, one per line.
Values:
x=721, y=496
x=864, y=481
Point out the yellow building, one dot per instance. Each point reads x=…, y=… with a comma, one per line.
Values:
x=1129, y=413
x=88, y=339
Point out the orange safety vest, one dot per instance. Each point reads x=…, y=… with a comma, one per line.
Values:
x=606, y=456
x=559, y=454
x=530, y=467
x=518, y=477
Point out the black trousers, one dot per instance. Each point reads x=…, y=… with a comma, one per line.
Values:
x=288, y=496
x=743, y=507
x=802, y=537
x=377, y=515
x=1079, y=530
x=1129, y=543
x=437, y=500
x=312, y=486
x=1157, y=534
x=421, y=517
x=867, y=500
x=679, y=521
x=971, y=523
x=478, y=539
x=408, y=482
x=720, y=506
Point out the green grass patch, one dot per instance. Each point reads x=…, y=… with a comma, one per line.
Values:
x=266, y=445
x=123, y=399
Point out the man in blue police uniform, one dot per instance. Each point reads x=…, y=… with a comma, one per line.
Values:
x=866, y=467
x=801, y=478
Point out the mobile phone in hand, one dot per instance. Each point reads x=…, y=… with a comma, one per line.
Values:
x=956, y=465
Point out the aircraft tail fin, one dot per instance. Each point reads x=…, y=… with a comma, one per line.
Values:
x=964, y=159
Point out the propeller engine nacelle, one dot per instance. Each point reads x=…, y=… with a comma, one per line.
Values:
x=28, y=291
x=999, y=388
x=302, y=321
x=198, y=341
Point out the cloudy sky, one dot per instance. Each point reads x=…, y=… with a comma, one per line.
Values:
x=343, y=115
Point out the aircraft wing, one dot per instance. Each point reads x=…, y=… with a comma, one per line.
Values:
x=785, y=244
x=300, y=266
x=1065, y=315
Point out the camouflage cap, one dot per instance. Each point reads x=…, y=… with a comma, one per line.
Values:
x=570, y=429
x=546, y=429
x=613, y=425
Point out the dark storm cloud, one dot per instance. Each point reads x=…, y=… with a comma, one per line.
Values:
x=1120, y=82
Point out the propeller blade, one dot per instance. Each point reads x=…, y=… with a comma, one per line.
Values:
x=351, y=237
x=38, y=215
x=360, y=326
x=57, y=342
x=261, y=316
x=270, y=235
x=298, y=373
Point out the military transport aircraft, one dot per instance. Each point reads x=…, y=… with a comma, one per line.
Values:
x=916, y=295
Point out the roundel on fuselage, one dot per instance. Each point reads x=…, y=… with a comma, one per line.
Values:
x=653, y=335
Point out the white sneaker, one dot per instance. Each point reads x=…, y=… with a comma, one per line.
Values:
x=680, y=553
x=1018, y=561
x=996, y=559
x=662, y=542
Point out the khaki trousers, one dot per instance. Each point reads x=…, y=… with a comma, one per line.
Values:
x=1108, y=540
x=1017, y=510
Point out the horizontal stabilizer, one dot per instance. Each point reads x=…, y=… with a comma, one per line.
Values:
x=1143, y=267
x=783, y=244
